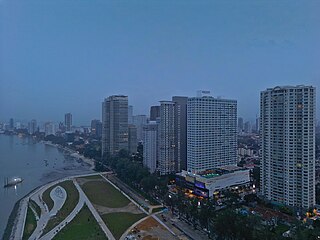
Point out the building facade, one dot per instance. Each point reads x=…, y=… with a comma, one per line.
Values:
x=68, y=121
x=114, y=124
x=96, y=128
x=132, y=143
x=150, y=146
x=154, y=113
x=139, y=121
x=166, y=138
x=49, y=128
x=180, y=129
x=130, y=114
x=240, y=125
x=206, y=183
x=287, y=128
x=211, y=133
x=32, y=126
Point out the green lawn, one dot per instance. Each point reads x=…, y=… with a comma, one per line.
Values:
x=104, y=194
x=83, y=226
x=35, y=207
x=154, y=210
x=46, y=197
x=70, y=203
x=30, y=224
x=280, y=229
x=119, y=222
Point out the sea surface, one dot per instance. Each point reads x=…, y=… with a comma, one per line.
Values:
x=36, y=163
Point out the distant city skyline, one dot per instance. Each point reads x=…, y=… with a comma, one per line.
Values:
x=67, y=56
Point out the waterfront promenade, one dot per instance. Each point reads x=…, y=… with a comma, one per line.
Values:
x=59, y=195
x=46, y=214
x=105, y=202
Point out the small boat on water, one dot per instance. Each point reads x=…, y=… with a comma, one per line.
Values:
x=12, y=182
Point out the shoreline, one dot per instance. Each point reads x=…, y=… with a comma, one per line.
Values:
x=13, y=218
x=86, y=166
x=72, y=153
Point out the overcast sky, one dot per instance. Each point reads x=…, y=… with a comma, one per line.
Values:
x=59, y=56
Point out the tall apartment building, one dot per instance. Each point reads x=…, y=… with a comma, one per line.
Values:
x=166, y=163
x=130, y=114
x=114, y=124
x=68, y=121
x=154, y=113
x=240, y=125
x=11, y=124
x=96, y=128
x=211, y=133
x=287, y=128
x=132, y=141
x=180, y=129
x=247, y=127
x=32, y=126
x=49, y=128
x=139, y=121
x=150, y=145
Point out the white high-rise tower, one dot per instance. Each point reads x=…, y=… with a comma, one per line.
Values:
x=211, y=133
x=287, y=128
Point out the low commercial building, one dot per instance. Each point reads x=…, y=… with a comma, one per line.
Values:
x=207, y=182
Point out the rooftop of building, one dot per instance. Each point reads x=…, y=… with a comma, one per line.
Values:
x=216, y=172
x=288, y=87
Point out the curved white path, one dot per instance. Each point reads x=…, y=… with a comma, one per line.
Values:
x=59, y=199
x=59, y=196
x=82, y=200
x=94, y=213
x=68, y=219
x=19, y=222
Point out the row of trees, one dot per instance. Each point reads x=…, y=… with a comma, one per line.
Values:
x=231, y=223
x=131, y=171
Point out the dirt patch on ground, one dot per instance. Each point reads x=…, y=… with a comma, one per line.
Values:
x=150, y=229
x=149, y=223
x=131, y=208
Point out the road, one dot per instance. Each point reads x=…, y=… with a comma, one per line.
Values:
x=185, y=229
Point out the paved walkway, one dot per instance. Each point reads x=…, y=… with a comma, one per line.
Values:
x=19, y=223
x=59, y=196
x=22, y=214
x=94, y=212
x=68, y=219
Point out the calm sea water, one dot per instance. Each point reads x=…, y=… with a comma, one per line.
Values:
x=25, y=158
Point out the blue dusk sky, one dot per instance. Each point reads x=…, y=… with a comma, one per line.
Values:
x=59, y=56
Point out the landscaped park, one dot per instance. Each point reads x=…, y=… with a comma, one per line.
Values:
x=116, y=210
x=82, y=207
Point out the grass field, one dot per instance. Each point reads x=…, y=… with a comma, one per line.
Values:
x=154, y=210
x=70, y=203
x=104, y=194
x=46, y=197
x=280, y=229
x=83, y=226
x=119, y=222
x=30, y=224
x=35, y=207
